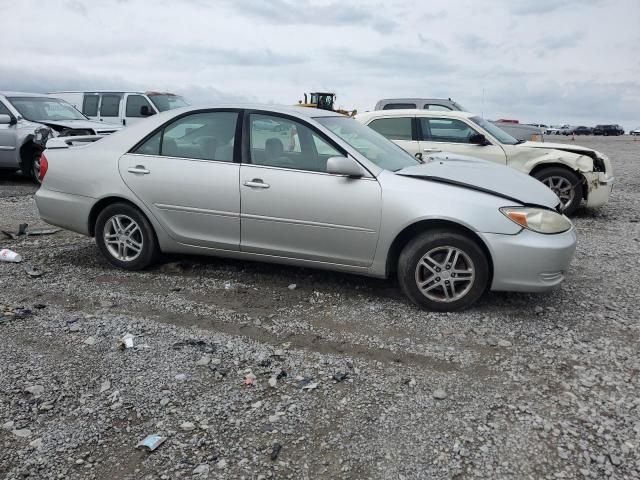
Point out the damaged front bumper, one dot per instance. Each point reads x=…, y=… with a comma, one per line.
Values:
x=599, y=186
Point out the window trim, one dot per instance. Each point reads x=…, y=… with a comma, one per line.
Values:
x=246, y=141
x=236, y=147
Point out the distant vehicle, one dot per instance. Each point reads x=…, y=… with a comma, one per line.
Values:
x=582, y=130
x=608, y=130
x=122, y=108
x=553, y=130
x=28, y=120
x=572, y=172
x=435, y=104
x=567, y=129
x=512, y=127
x=346, y=199
x=635, y=131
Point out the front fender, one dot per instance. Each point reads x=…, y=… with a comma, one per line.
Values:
x=579, y=163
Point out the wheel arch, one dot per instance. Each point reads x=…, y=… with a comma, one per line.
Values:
x=542, y=166
x=103, y=203
x=421, y=226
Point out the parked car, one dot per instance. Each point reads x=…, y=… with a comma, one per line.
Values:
x=341, y=198
x=635, y=131
x=435, y=104
x=608, y=130
x=27, y=120
x=515, y=129
x=553, y=130
x=573, y=173
x=582, y=130
x=567, y=130
x=122, y=108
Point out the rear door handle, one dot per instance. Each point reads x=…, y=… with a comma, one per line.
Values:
x=139, y=169
x=256, y=183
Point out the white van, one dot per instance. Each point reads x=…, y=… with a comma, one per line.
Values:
x=122, y=108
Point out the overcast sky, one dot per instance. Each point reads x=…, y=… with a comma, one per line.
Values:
x=549, y=61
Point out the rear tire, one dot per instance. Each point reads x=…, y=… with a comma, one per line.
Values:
x=125, y=237
x=443, y=271
x=564, y=183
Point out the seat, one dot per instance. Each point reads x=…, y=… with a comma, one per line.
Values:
x=170, y=148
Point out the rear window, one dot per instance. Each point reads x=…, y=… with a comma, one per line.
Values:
x=110, y=106
x=398, y=128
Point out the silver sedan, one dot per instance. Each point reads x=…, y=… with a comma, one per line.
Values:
x=318, y=190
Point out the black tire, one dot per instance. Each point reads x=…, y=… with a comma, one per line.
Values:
x=144, y=235
x=547, y=175
x=410, y=273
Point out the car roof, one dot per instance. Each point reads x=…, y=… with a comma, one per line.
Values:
x=414, y=112
x=286, y=109
x=139, y=92
x=23, y=94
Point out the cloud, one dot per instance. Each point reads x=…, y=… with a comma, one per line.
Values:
x=231, y=57
x=398, y=61
x=310, y=13
x=541, y=7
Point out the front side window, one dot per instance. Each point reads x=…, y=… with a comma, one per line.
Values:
x=399, y=106
x=110, y=106
x=369, y=143
x=447, y=130
x=280, y=142
x=38, y=109
x=90, y=105
x=135, y=104
x=4, y=110
x=200, y=136
x=397, y=128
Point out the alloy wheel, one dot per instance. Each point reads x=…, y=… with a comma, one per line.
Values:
x=445, y=274
x=562, y=188
x=123, y=238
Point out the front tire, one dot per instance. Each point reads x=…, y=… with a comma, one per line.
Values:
x=125, y=237
x=443, y=271
x=565, y=184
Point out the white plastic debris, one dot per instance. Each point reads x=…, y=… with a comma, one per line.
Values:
x=126, y=342
x=151, y=442
x=7, y=255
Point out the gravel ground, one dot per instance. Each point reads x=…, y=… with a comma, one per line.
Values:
x=346, y=378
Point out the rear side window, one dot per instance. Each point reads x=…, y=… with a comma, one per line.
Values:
x=393, y=128
x=398, y=106
x=201, y=136
x=436, y=108
x=90, y=105
x=110, y=106
x=135, y=104
x=446, y=130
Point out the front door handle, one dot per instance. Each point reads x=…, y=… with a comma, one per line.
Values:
x=139, y=169
x=431, y=150
x=256, y=183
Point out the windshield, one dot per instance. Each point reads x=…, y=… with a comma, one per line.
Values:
x=369, y=143
x=499, y=134
x=167, y=101
x=42, y=109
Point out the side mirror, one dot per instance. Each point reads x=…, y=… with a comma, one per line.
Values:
x=344, y=166
x=145, y=112
x=5, y=119
x=478, y=139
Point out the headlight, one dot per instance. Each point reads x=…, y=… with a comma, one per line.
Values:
x=537, y=219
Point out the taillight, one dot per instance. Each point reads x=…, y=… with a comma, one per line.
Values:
x=44, y=166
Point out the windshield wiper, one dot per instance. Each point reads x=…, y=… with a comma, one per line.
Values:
x=519, y=142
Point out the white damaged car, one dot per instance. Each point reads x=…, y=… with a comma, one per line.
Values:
x=573, y=172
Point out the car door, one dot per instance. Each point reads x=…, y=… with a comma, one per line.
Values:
x=186, y=176
x=137, y=108
x=8, y=153
x=400, y=130
x=110, y=107
x=444, y=134
x=291, y=207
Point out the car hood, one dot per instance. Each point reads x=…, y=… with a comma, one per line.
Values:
x=577, y=149
x=489, y=177
x=80, y=124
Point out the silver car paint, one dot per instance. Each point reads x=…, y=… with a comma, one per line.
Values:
x=298, y=229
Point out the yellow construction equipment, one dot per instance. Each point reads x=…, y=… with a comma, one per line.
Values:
x=324, y=101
